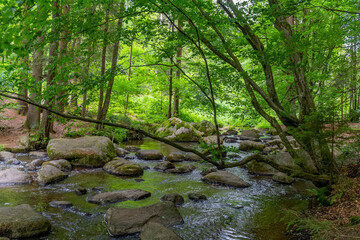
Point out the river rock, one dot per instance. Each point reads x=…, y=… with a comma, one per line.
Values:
x=34, y=164
x=6, y=156
x=250, y=146
x=196, y=197
x=61, y=164
x=260, y=168
x=38, y=154
x=252, y=133
x=164, y=166
x=231, y=140
x=303, y=163
x=149, y=155
x=208, y=170
x=206, y=127
x=225, y=178
x=124, y=221
x=81, y=191
x=182, y=169
x=22, y=222
x=50, y=174
x=120, y=152
x=211, y=140
x=61, y=204
x=175, y=157
x=282, y=178
x=118, y=196
x=177, y=199
x=156, y=231
x=131, y=149
x=88, y=151
x=123, y=167
x=192, y=157
x=14, y=176
x=230, y=132
x=185, y=135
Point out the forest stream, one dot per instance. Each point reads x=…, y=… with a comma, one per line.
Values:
x=228, y=213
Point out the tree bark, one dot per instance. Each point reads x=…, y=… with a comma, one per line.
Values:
x=177, y=77
x=47, y=122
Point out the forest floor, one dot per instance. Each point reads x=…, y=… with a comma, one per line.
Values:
x=13, y=132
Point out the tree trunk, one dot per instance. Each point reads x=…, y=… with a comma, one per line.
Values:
x=106, y=104
x=170, y=89
x=33, y=116
x=103, y=65
x=177, y=77
x=53, y=53
x=129, y=75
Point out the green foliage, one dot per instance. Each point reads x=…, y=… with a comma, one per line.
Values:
x=354, y=220
x=323, y=196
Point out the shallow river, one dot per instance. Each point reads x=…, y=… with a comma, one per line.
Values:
x=214, y=219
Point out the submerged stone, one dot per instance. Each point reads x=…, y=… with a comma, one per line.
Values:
x=177, y=199
x=118, y=196
x=196, y=197
x=125, y=221
x=282, y=178
x=61, y=204
x=156, y=231
x=22, y=222
x=183, y=169
x=123, y=167
x=165, y=165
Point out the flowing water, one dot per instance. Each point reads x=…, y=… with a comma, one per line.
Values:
x=220, y=217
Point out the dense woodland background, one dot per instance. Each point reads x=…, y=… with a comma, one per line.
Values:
x=237, y=63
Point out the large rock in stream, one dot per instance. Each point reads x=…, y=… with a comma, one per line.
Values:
x=175, y=129
x=225, y=178
x=156, y=231
x=88, y=151
x=149, y=155
x=118, y=196
x=50, y=174
x=22, y=222
x=125, y=221
x=14, y=176
x=123, y=167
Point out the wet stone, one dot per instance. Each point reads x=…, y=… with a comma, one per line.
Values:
x=61, y=204
x=196, y=197
x=208, y=170
x=177, y=199
x=81, y=191
x=131, y=148
x=139, y=180
x=118, y=196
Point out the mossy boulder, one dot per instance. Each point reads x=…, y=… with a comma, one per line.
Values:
x=282, y=178
x=61, y=164
x=251, y=145
x=50, y=174
x=175, y=157
x=149, y=155
x=165, y=165
x=211, y=140
x=22, y=222
x=88, y=151
x=157, y=231
x=225, y=178
x=260, y=168
x=126, y=221
x=207, y=128
x=122, y=167
x=177, y=199
x=118, y=196
x=175, y=129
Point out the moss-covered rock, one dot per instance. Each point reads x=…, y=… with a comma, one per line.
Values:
x=282, y=178
x=61, y=164
x=149, y=155
x=122, y=167
x=88, y=151
x=50, y=174
x=225, y=178
x=207, y=128
x=260, y=168
x=250, y=146
x=22, y=222
x=175, y=157
x=157, y=231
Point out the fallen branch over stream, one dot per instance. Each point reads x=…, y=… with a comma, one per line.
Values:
x=316, y=179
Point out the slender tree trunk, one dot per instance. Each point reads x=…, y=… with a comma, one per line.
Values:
x=84, y=99
x=47, y=122
x=103, y=66
x=23, y=91
x=63, y=50
x=170, y=89
x=129, y=76
x=106, y=104
x=33, y=116
x=177, y=76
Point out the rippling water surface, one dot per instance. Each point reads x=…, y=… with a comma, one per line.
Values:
x=217, y=218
